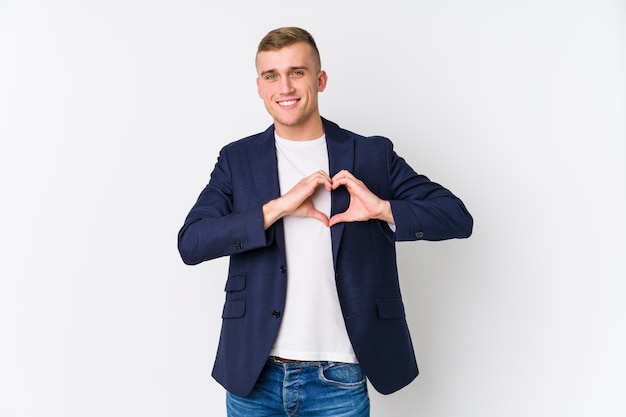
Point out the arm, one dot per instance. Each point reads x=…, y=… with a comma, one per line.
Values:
x=213, y=228
x=423, y=209
x=419, y=208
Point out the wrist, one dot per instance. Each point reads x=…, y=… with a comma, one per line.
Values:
x=386, y=214
x=271, y=213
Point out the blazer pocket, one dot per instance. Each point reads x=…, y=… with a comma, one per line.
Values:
x=390, y=309
x=234, y=309
x=235, y=283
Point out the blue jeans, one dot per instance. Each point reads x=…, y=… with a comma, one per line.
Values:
x=299, y=389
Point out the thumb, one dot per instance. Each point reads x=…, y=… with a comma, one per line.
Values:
x=338, y=218
x=316, y=214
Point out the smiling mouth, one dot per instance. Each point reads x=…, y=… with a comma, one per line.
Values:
x=287, y=103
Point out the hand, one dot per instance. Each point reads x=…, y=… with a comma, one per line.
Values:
x=297, y=201
x=364, y=205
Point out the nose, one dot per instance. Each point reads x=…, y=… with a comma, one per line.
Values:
x=286, y=86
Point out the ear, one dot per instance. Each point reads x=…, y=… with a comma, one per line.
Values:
x=258, y=87
x=322, y=80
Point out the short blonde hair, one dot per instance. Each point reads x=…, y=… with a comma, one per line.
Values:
x=282, y=37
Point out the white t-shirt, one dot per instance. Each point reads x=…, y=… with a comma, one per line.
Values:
x=312, y=327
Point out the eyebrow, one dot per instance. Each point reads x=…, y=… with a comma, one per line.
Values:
x=269, y=71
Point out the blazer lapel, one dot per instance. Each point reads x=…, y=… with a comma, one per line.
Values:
x=264, y=166
x=340, y=156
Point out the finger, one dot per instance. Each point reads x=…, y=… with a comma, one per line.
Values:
x=319, y=216
x=325, y=181
x=346, y=178
x=327, y=184
x=338, y=218
x=348, y=182
x=321, y=178
x=320, y=174
x=344, y=173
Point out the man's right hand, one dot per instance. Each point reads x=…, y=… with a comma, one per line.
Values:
x=297, y=201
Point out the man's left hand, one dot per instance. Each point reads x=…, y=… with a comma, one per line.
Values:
x=364, y=205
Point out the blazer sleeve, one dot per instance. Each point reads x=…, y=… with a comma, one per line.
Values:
x=213, y=228
x=422, y=209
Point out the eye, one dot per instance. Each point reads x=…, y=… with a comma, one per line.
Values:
x=270, y=77
x=297, y=73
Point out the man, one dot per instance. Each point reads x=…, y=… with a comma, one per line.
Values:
x=309, y=214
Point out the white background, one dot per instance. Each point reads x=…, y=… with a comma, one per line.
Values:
x=111, y=117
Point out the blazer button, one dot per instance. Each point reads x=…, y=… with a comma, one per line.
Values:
x=276, y=314
x=419, y=235
x=238, y=246
x=283, y=269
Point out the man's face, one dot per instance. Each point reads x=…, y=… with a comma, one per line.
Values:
x=289, y=81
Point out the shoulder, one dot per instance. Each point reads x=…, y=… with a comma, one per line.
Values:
x=376, y=141
x=258, y=139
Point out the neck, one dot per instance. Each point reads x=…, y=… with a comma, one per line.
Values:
x=312, y=130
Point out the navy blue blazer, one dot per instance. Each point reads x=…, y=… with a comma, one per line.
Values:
x=227, y=220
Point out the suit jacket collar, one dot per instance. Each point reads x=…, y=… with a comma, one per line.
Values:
x=340, y=148
x=264, y=166
x=340, y=156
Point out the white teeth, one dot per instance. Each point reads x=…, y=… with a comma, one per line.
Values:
x=287, y=103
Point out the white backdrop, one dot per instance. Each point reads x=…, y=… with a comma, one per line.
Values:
x=111, y=117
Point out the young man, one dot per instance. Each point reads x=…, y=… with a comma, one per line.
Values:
x=309, y=214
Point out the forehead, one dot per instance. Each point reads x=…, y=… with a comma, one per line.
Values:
x=295, y=55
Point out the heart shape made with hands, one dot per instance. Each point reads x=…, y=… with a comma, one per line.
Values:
x=364, y=205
